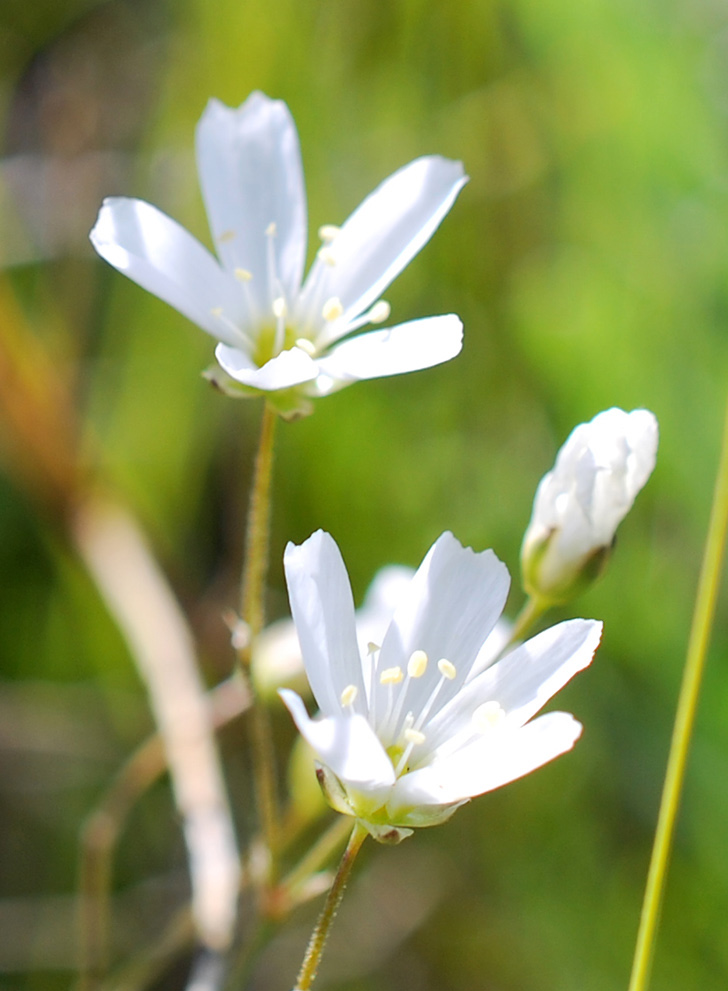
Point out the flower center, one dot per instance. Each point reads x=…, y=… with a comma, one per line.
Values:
x=400, y=728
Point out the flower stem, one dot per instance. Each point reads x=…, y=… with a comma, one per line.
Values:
x=532, y=611
x=703, y=616
x=315, y=949
x=253, y=613
x=257, y=538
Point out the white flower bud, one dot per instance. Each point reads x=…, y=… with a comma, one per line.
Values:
x=581, y=502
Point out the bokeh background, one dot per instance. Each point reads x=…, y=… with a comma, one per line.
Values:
x=588, y=259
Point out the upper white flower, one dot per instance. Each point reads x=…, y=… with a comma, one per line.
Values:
x=581, y=502
x=275, y=334
x=403, y=737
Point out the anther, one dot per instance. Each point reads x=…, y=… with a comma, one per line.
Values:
x=305, y=345
x=372, y=647
x=328, y=232
x=279, y=307
x=225, y=236
x=271, y=230
x=391, y=676
x=417, y=664
x=332, y=309
x=216, y=311
x=414, y=736
x=446, y=669
x=327, y=256
x=488, y=715
x=349, y=695
x=379, y=312
x=243, y=275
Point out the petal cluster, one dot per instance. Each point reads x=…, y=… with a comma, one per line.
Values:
x=276, y=333
x=404, y=735
x=581, y=502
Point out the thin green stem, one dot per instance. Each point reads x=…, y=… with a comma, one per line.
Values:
x=257, y=536
x=253, y=614
x=703, y=615
x=532, y=611
x=315, y=949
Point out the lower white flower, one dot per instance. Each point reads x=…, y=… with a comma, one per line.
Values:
x=403, y=737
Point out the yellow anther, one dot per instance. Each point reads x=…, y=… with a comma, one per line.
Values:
x=328, y=232
x=279, y=307
x=243, y=275
x=327, y=256
x=446, y=669
x=271, y=229
x=305, y=345
x=414, y=736
x=226, y=236
x=216, y=311
x=391, y=676
x=488, y=715
x=417, y=664
x=372, y=647
x=332, y=309
x=348, y=696
x=379, y=312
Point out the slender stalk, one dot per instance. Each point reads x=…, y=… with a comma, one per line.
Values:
x=253, y=614
x=532, y=611
x=315, y=949
x=703, y=616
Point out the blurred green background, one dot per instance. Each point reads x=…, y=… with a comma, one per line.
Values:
x=588, y=259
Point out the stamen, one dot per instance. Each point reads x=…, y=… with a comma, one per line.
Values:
x=225, y=237
x=446, y=669
x=391, y=676
x=414, y=736
x=488, y=715
x=328, y=232
x=379, y=312
x=305, y=345
x=372, y=647
x=242, y=275
x=271, y=230
x=327, y=256
x=417, y=664
x=348, y=696
x=332, y=309
x=279, y=308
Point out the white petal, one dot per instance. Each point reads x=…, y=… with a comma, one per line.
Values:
x=323, y=611
x=347, y=745
x=382, y=236
x=405, y=348
x=450, y=607
x=488, y=763
x=249, y=162
x=522, y=682
x=161, y=256
x=291, y=367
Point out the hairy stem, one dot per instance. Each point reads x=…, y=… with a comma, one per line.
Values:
x=253, y=614
x=314, y=952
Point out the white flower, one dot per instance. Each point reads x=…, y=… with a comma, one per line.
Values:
x=402, y=739
x=275, y=335
x=581, y=502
